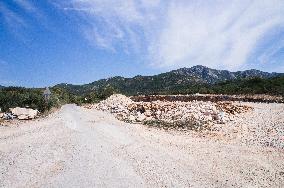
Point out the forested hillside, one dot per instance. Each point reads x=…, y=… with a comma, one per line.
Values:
x=197, y=79
x=185, y=80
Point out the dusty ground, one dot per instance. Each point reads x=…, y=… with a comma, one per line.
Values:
x=86, y=148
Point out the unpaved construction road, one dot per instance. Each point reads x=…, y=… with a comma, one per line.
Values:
x=79, y=147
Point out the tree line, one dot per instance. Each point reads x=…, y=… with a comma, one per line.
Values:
x=11, y=97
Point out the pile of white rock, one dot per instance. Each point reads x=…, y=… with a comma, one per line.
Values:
x=183, y=115
x=20, y=113
x=116, y=103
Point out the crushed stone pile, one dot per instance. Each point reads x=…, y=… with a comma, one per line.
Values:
x=165, y=114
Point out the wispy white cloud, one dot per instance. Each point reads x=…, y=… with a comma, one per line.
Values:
x=221, y=34
x=30, y=7
x=272, y=51
x=215, y=34
x=116, y=23
x=12, y=19
x=102, y=40
x=25, y=4
x=18, y=20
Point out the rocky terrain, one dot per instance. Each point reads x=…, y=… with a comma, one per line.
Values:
x=210, y=97
x=172, y=114
x=79, y=147
x=248, y=123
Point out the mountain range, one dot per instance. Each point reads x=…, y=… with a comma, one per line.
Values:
x=182, y=80
x=197, y=79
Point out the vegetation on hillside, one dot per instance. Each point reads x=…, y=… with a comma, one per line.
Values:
x=182, y=81
x=271, y=86
x=62, y=94
x=11, y=97
x=256, y=85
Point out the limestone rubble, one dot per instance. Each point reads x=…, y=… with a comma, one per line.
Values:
x=24, y=113
x=182, y=115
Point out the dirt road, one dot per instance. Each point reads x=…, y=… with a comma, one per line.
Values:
x=78, y=147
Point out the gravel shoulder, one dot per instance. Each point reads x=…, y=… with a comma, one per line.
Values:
x=78, y=147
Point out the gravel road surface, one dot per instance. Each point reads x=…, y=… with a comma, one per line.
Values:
x=77, y=147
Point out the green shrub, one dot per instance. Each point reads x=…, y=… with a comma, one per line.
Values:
x=12, y=97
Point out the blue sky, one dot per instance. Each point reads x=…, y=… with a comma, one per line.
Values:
x=47, y=42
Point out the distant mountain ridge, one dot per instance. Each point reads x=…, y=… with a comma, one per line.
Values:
x=211, y=76
x=197, y=79
x=175, y=80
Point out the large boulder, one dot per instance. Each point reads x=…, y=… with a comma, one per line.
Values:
x=24, y=113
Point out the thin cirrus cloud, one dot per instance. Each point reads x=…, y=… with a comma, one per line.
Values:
x=11, y=19
x=171, y=34
x=14, y=19
x=25, y=4
x=220, y=34
x=112, y=24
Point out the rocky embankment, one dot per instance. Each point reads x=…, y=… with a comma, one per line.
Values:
x=172, y=114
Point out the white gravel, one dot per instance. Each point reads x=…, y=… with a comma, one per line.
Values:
x=262, y=126
x=80, y=147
